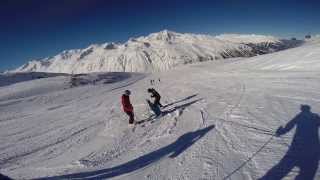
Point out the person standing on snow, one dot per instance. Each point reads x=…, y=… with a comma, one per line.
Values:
x=127, y=106
x=152, y=82
x=156, y=96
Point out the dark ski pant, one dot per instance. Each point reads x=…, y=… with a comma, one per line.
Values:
x=155, y=108
x=157, y=102
x=131, y=116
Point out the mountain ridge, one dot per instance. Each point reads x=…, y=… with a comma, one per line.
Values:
x=155, y=52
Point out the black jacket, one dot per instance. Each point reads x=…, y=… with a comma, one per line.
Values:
x=155, y=94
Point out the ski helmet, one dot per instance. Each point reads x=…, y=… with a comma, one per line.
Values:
x=127, y=92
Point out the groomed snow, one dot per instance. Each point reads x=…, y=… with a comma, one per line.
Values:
x=218, y=122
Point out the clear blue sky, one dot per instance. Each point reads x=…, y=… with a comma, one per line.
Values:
x=32, y=29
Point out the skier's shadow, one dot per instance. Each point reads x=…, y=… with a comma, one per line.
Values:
x=3, y=177
x=304, y=151
x=172, y=150
x=181, y=100
x=180, y=107
x=163, y=113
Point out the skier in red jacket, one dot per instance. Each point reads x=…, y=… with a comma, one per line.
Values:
x=127, y=106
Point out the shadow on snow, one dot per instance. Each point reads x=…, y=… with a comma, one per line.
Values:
x=181, y=100
x=175, y=108
x=172, y=150
x=180, y=107
x=3, y=177
x=304, y=151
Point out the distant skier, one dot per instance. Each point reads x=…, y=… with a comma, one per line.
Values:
x=127, y=106
x=156, y=96
x=152, y=82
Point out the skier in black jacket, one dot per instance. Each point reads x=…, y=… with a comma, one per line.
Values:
x=156, y=96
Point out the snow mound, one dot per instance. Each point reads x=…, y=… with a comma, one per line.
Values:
x=97, y=78
x=8, y=78
x=156, y=52
x=23, y=85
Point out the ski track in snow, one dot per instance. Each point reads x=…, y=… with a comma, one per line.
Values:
x=218, y=122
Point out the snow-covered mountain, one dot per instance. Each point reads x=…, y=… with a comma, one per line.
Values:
x=303, y=58
x=261, y=44
x=155, y=52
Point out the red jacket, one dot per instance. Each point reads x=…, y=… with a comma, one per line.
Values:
x=126, y=105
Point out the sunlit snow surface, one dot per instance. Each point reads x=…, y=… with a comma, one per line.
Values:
x=218, y=122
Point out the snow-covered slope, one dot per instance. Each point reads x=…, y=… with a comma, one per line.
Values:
x=261, y=44
x=218, y=122
x=8, y=78
x=248, y=38
x=304, y=58
x=314, y=39
x=155, y=52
